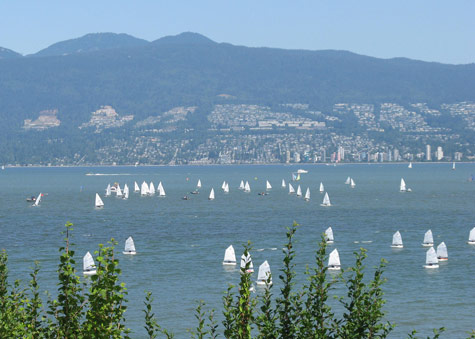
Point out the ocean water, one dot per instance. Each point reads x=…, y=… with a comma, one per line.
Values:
x=181, y=244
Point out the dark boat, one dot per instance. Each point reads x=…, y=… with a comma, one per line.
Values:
x=32, y=199
x=186, y=198
x=195, y=192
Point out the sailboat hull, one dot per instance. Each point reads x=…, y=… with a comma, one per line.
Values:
x=229, y=263
x=334, y=268
x=397, y=246
x=94, y=272
x=471, y=242
x=263, y=283
x=431, y=266
x=427, y=244
x=442, y=259
x=130, y=252
x=325, y=205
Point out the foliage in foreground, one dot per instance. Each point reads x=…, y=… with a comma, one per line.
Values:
x=95, y=308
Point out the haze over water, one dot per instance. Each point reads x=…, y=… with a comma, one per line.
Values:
x=181, y=244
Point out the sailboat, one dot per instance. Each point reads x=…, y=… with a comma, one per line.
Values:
x=334, y=260
x=431, y=259
x=471, y=237
x=144, y=189
x=329, y=235
x=198, y=185
x=283, y=183
x=226, y=188
x=118, y=192
x=322, y=189
x=307, y=194
x=211, y=194
x=136, y=187
x=352, y=183
x=223, y=185
x=129, y=246
x=268, y=185
x=99, y=202
x=264, y=276
x=326, y=200
x=410, y=165
x=402, y=186
x=428, y=239
x=151, y=189
x=299, y=191
x=291, y=188
x=397, y=240
x=295, y=176
x=442, y=253
x=126, y=192
x=161, y=190
x=348, y=180
x=89, y=267
x=241, y=185
x=247, y=261
x=37, y=201
x=108, y=190
x=229, y=256
x=247, y=188
x=453, y=166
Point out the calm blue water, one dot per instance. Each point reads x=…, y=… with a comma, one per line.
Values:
x=181, y=243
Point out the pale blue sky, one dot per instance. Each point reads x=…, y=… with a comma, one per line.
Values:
x=430, y=30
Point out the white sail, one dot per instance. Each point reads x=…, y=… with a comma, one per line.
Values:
x=241, y=185
x=226, y=188
x=322, y=189
x=329, y=235
x=453, y=165
x=161, y=190
x=198, y=185
x=291, y=188
x=245, y=260
x=299, y=191
x=151, y=188
x=108, y=190
x=99, y=202
x=428, y=239
x=442, y=253
x=431, y=258
x=471, y=237
x=334, y=260
x=264, y=274
x=348, y=180
x=326, y=200
x=129, y=246
x=402, y=186
x=38, y=198
x=144, y=189
x=211, y=194
x=89, y=267
x=352, y=183
x=247, y=187
x=397, y=240
x=223, y=185
x=118, y=191
x=410, y=165
x=283, y=183
x=126, y=191
x=136, y=187
x=307, y=194
x=268, y=185
x=229, y=256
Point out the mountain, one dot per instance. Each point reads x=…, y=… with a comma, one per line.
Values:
x=6, y=53
x=186, y=38
x=91, y=43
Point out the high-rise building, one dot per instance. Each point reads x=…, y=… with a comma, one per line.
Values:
x=439, y=153
x=396, y=156
x=296, y=157
x=428, y=154
x=341, y=153
x=287, y=157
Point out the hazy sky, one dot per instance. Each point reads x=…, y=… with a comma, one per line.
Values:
x=431, y=30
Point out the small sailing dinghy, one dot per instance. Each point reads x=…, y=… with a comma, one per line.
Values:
x=118, y=192
x=326, y=201
x=136, y=187
x=329, y=235
x=198, y=185
x=442, y=254
x=307, y=194
x=89, y=267
x=108, y=190
x=144, y=189
x=268, y=185
x=151, y=190
x=348, y=181
x=241, y=185
x=428, y=239
x=299, y=191
x=334, y=260
x=126, y=192
x=211, y=194
x=247, y=188
x=402, y=186
x=453, y=166
x=431, y=259
x=322, y=189
x=229, y=256
x=397, y=240
x=37, y=201
x=99, y=202
x=129, y=246
x=226, y=188
x=283, y=183
x=223, y=186
x=352, y=183
x=410, y=165
x=264, y=276
x=291, y=189
x=471, y=237
x=161, y=190
x=246, y=261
